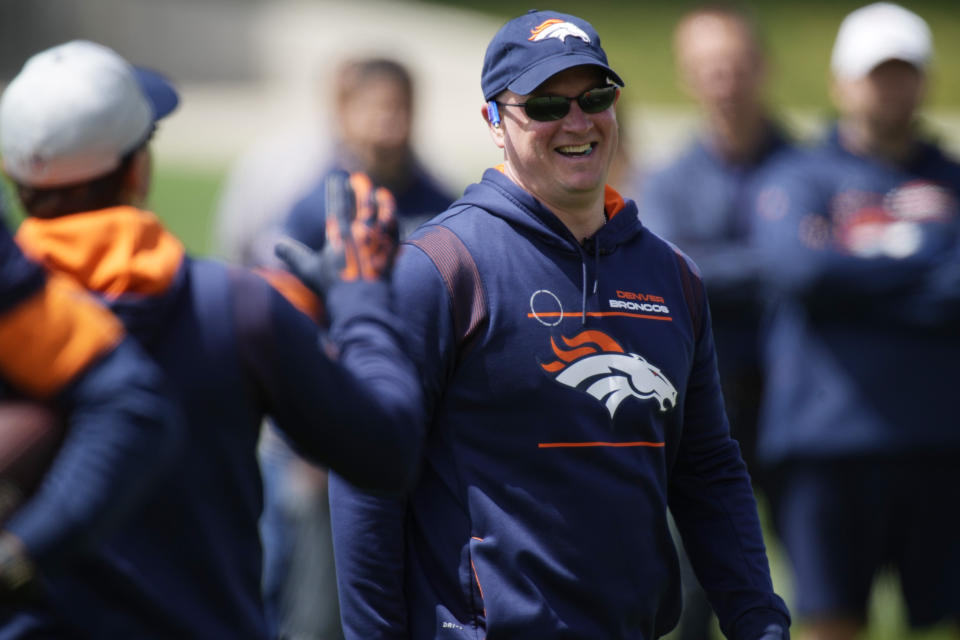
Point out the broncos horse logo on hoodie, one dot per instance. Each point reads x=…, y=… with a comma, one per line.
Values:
x=598, y=365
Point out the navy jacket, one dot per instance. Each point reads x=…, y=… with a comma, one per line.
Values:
x=864, y=337
x=705, y=205
x=188, y=563
x=60, y=346
x=573, y=396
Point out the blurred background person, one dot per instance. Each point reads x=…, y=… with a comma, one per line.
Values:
x=372, y=134
x=374, y=123
x=702, y=201
x=860, y=237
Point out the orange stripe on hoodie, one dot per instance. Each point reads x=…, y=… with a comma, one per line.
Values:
x=296, y=293
x=65, y=329
x=112, y=251
x=612, y=200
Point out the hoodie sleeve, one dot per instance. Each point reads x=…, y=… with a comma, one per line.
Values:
x=713, y=504
x=350, y=400
x=368, y=529
x=122, y=433
x=805, y=255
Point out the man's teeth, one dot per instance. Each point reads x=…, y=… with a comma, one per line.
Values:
x=575, y=148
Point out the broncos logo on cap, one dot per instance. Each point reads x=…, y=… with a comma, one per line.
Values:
x=559, y=29
x=596, y=364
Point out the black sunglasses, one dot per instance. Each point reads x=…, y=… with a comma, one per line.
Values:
x=547, y=108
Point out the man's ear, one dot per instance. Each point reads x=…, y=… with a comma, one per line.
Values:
x=491, y=116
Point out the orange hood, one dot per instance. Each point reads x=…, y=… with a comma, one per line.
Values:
x=112, y=251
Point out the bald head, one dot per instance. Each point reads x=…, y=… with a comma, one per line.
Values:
x=720, y=60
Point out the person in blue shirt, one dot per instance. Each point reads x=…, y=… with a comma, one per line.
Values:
x=860, y=238
x=374, y=114
x=722, y=65
x=570, y=377
x=188, y=562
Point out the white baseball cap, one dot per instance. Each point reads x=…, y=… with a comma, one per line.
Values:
x=877, y=33
x=74, y=111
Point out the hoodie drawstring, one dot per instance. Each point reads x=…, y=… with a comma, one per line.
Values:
x=583, y=277
x=596, y=267
x=583, y=290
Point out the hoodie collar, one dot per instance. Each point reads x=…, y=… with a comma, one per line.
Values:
x=501, y=196
x=115, y=251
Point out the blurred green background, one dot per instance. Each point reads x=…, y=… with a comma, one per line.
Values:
x=637, y=38
x=798, y=36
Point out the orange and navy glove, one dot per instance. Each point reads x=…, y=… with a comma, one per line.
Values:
x=361, y=236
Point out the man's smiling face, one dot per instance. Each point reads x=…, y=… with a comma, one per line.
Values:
x=564, y=161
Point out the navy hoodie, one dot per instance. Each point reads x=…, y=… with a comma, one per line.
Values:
x=60, y=346
x=188, y=563
x=574, y=396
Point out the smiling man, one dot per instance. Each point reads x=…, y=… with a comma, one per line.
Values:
x=563, y=425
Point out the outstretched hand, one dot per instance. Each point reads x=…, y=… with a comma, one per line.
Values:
x=361, y=236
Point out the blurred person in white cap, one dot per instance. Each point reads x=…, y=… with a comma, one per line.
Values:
x=860, y=242
x=75, y=126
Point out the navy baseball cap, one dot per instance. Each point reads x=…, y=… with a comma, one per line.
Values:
x=531, y=48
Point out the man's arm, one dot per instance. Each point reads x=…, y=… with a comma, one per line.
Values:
x=713, y=504
x=368, y=546
x=368, y=529
x=805, y=255
x=350, y=401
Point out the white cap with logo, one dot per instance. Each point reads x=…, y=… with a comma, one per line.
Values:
x=74, y=111
x=877, y=33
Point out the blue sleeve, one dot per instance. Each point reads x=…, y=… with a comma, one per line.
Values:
x=712, y=501
x=306, y=221
x=802, y=258
x=122, y=433
x=368, y=529
x=368, y=548
x=730, y=265
x=360, y=412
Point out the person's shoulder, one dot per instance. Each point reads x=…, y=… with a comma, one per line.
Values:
x=942, y=161
x=430, y=189
x=691, y=157
x=456, y=217
x=798, y=160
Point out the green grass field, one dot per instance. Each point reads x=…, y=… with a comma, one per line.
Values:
x=185, y=199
